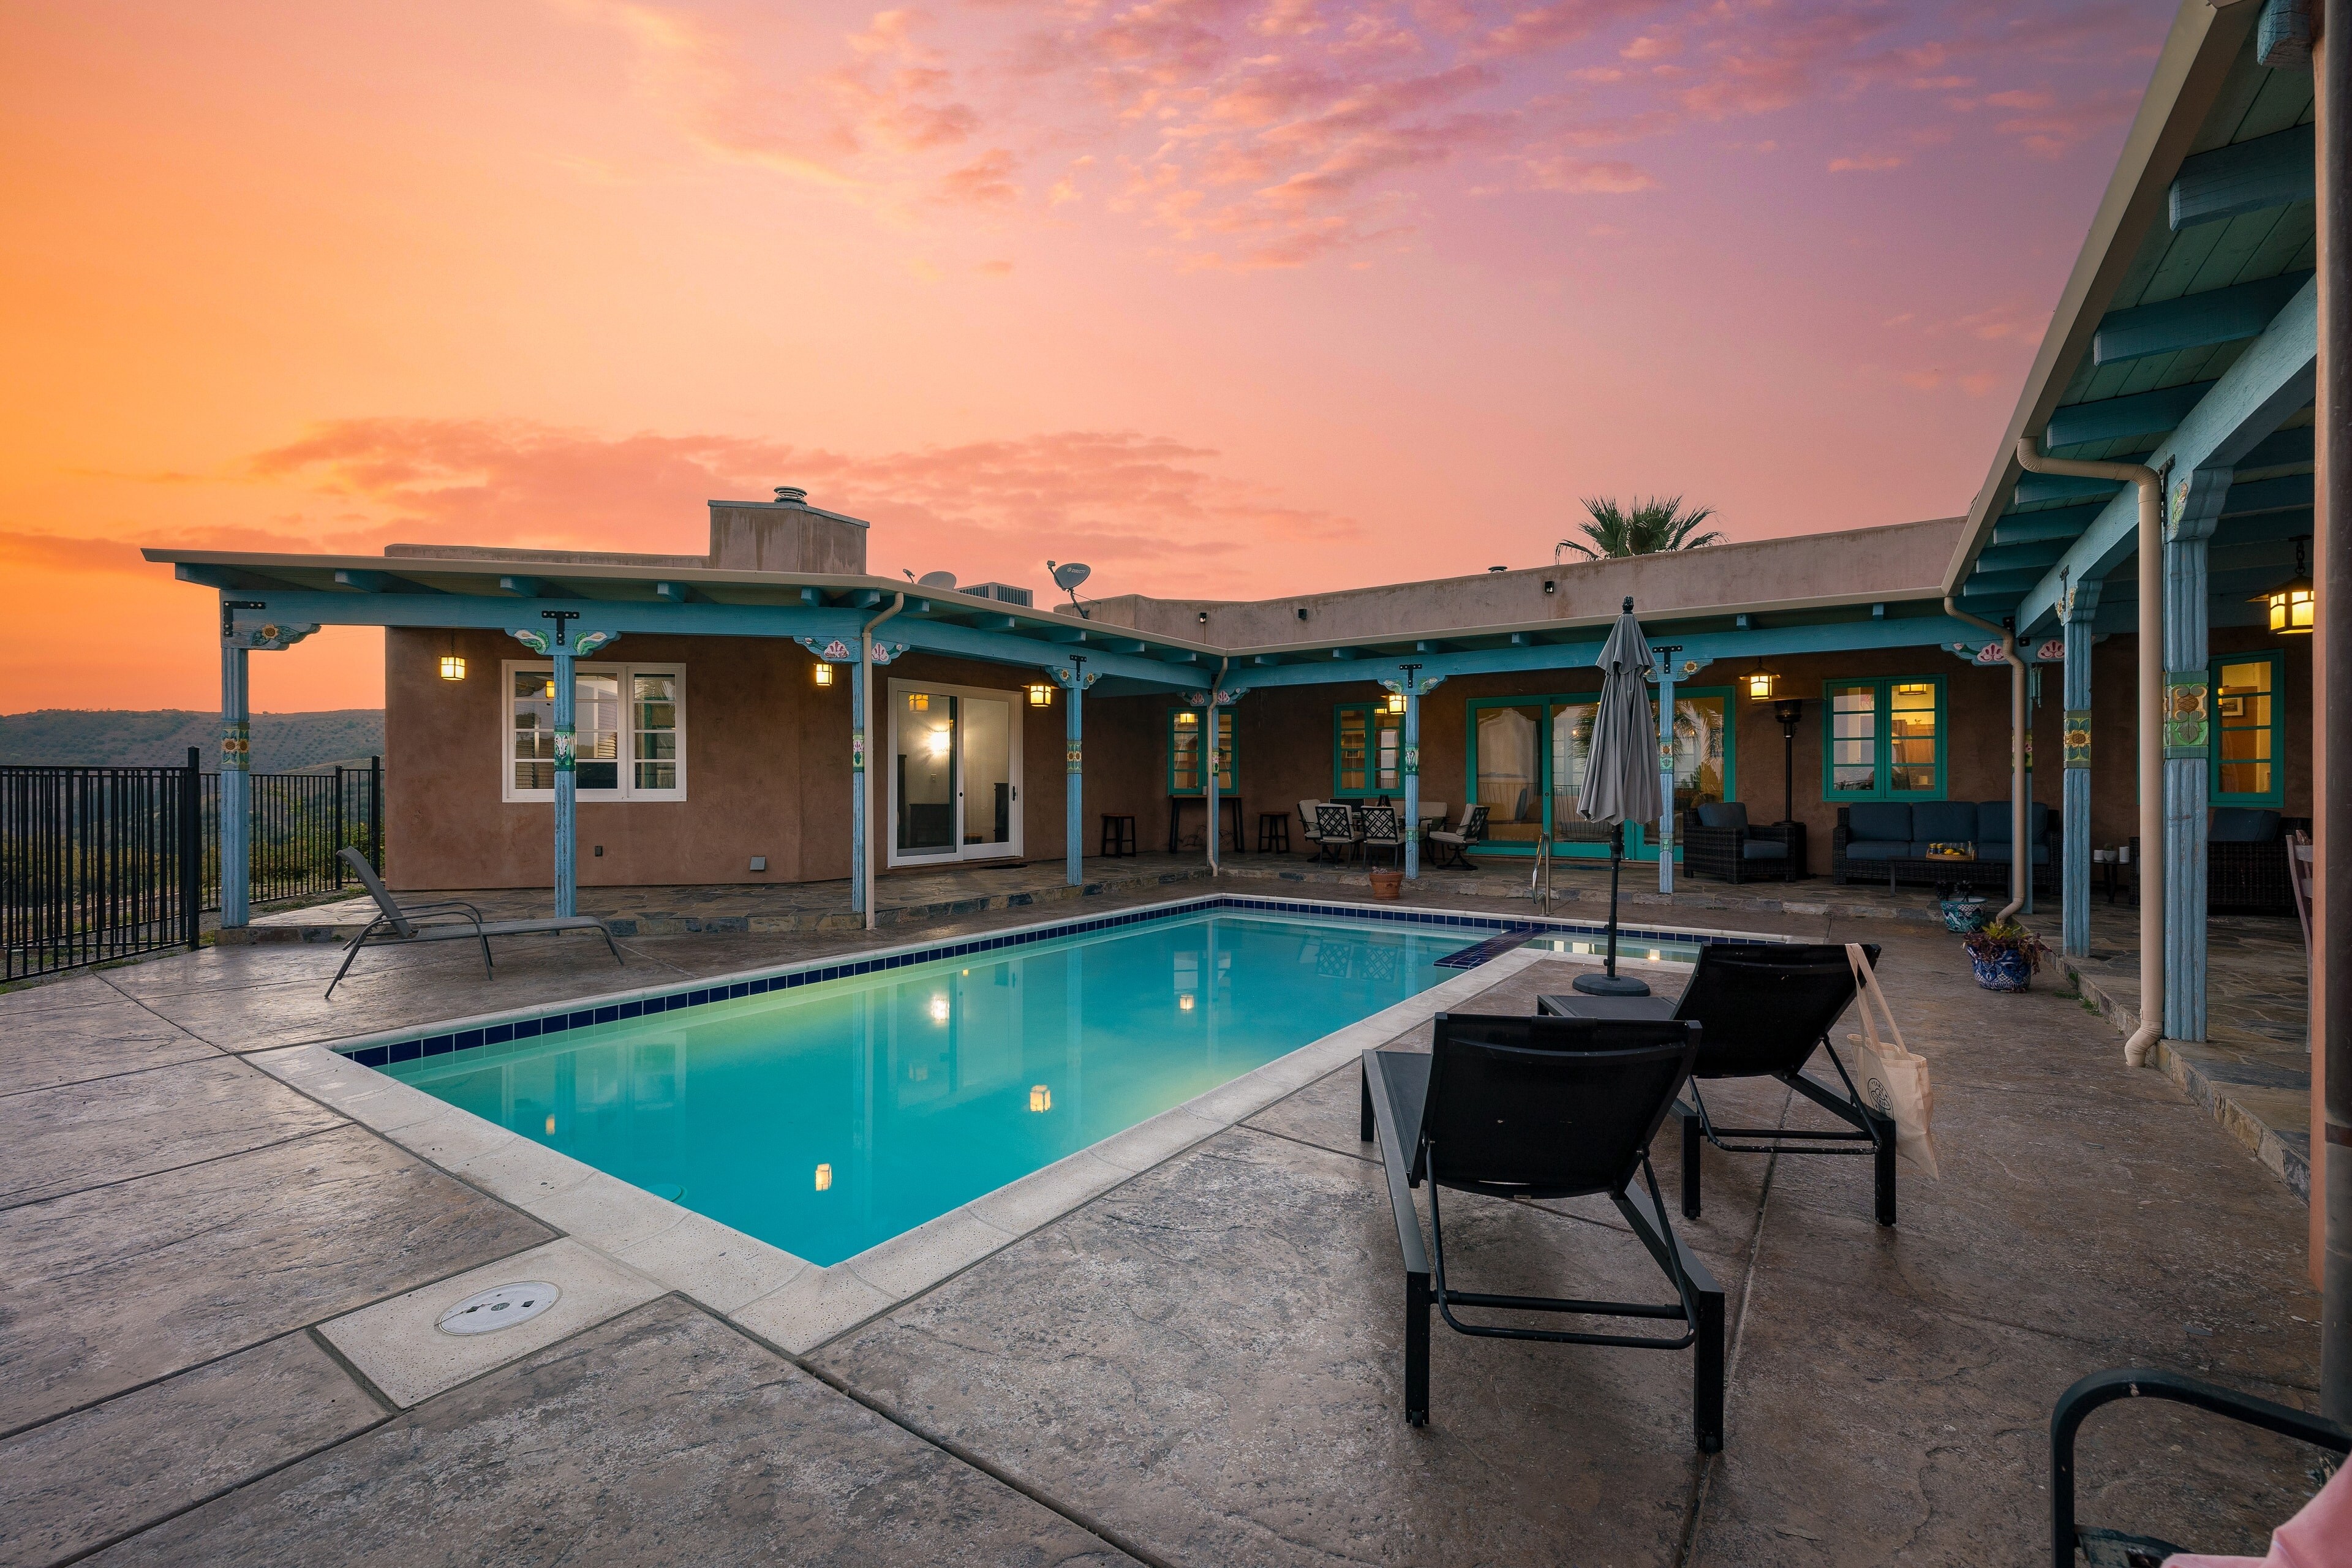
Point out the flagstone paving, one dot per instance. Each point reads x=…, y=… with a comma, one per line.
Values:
x=1201, y=1365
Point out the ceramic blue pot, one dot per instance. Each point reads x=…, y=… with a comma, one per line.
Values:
x=1964, y=915
x=2003, y=970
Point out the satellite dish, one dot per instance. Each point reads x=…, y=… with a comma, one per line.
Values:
x=1069, y=574
x=943, y=580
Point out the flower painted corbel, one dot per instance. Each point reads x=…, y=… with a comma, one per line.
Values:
x=267, y=636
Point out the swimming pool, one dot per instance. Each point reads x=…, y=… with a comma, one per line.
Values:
x=832, y=1116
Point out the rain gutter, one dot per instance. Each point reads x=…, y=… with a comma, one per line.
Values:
x=2021, y=860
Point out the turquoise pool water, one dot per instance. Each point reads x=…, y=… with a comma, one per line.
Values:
x=826, y=1119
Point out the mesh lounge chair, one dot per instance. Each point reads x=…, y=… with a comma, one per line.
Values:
x=1541, y=1107
x=450, y=919
x=1456, y=842
x=1766, y=1007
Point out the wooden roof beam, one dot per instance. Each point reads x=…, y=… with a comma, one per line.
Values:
x=2248, y=176
x=2193, y=321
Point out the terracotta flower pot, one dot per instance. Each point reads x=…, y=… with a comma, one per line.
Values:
x=1386, y=884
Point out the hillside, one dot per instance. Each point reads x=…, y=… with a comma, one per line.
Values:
x=282, y=742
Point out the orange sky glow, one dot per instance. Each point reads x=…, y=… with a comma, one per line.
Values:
x=1224, y=297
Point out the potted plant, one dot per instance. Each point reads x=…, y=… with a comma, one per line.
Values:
x=1386, y=884
x=1964, y=911
x=2004, y=956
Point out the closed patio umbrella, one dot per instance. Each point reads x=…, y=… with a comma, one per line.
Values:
x=1621, y=773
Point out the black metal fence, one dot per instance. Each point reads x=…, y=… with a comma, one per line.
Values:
x=104, y=863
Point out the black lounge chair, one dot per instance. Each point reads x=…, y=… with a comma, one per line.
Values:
x=1765, y=1008
x=450, y=919
x=1541, y=1107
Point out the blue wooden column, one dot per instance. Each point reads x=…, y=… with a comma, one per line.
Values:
x=2195, y=506
x=235, y=788
x=1074, y=680
x=564, y=647
x=241, y=634
x=1413, y=686
x=1666, y=661
x=859, y=785
x=2078, y=609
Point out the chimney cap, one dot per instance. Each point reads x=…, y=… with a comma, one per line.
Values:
x=791, y=495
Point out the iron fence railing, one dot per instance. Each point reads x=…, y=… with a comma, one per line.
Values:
x=99, y=863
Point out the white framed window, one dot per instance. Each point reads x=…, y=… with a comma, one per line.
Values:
x=628, y=726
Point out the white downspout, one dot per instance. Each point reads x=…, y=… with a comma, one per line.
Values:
x=2151, y=727
x=2021, y=861
x=865, y=726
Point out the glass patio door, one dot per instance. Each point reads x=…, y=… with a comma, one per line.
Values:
x=955, y=781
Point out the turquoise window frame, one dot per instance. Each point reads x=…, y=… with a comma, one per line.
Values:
x=2274, y=796
x=1374, y=713
x=1639, y=846
x=1225, y=721
x=1883, y=758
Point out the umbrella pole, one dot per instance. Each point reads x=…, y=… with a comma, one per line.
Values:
x=1609, y=983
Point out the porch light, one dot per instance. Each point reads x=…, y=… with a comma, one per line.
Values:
x=823, y=673
x=1761, y=684
x=824, y=1178
x=453, y=666
x=2293, y=603
x=1041, y=696
x=1396, y=702
x=1041, y=1099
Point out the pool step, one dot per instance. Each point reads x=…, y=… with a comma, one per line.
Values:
x=1487, y=951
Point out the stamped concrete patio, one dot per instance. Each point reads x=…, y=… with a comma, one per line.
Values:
x=1200, y=1365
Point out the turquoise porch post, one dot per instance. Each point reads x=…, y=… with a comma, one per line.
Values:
x=2079, y=608
x=235, y=786
x=1666, y=663
x=1413, y=685
x=2196, y=505
x=859, y=785
x=1075, y=680
x=563, y=651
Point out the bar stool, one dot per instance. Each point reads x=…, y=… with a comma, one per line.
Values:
x=1274, y=832
x=1118, y=835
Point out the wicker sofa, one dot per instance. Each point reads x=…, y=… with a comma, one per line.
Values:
x=1888, y=841
x=2245, y=861
x=1718, y=841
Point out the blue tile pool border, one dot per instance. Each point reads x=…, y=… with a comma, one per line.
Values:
x=532, y=1026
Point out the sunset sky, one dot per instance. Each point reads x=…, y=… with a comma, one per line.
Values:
x=1225, y=297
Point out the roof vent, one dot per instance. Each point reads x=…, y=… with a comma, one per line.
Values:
x=791, y=495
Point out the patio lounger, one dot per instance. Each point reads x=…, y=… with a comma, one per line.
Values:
x=2325, y=1518
x=450, y=919
x=1456, y=842
x=1766, y=1007
x=1541, y=1107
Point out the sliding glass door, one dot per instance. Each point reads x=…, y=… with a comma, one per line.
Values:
x=1529, y=756
x=955, y=773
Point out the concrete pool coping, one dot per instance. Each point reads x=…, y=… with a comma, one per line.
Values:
x=788, y=1301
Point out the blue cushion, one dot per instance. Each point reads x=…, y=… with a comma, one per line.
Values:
x=2243, y=824
x=2000, y=852
x=1884, y=821
x=1992, y=822
x=1723, y=813
x=1945, y=822
x=1763, y=849
x=1877, y=848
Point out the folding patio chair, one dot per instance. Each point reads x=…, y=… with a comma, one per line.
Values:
x=1541, y=1107
x=1766, y=1007
x=449, y=920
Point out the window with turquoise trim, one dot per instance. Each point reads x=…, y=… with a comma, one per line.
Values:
x=1186, y=729
x=2248, y=744
x=1883, y=739
x=1367, y=751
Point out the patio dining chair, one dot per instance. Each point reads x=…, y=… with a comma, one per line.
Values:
x=1766, y=1007
x=1539, y=1109
x=1382, y=830
x=1337, y=830
x=1452, y=846
x=1307, y=830
x=449, y=920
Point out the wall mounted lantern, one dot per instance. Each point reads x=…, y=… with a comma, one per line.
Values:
x=2293, y=603
x=823, y=673
x=1041, y=695
x=1760, y=683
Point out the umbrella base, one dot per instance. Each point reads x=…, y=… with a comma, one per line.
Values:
x=1609, y=986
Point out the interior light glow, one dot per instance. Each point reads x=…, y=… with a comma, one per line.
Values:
x=936, y=742
x=1041, y=1099
x=1041, y=696
x=823, y=673
x=1396, y=702
x=938, y=1009
x=824, y=1178
x=1184, y=1003
x=551, y=1124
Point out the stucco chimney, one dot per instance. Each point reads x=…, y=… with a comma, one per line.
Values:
x=785, y=534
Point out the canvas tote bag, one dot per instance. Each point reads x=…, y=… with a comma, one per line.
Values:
x=1893, y=1079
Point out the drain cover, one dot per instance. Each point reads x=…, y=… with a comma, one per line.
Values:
x=501, y=1307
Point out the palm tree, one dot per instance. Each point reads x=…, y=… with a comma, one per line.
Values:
x=1651, y=525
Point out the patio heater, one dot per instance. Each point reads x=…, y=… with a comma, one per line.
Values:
x=1788, y=710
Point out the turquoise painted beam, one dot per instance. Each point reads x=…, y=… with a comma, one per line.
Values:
x=2270, y=381
x=2058, y=522
x=2111, y=418
x=2037, y=488
x=2193, y=321
x=381, y=582
x=532, y=587
x=2250, y=176
x=2034, y=554
x=2269, y=495
x=2280, y=447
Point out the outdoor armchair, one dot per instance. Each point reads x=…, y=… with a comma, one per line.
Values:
x=1719, y=842
x=1541, y=1107
x=1338, y=829
x=449, y=920
x=1307, y=831
x=1383, y=829
x=1765, y=1007
x=1456, y=842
